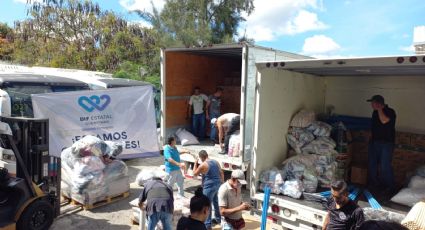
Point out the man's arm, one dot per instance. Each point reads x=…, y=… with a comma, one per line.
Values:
x=325, y=222
x=207, y=107
x=384, y=118
x=198, y=169
x=221, y=172
x=358, y=218
x=189, y=109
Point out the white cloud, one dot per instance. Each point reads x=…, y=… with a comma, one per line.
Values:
x=274, y=18
x=409, y=49
x=141, y=23
x=143, y=5
x=320, y=45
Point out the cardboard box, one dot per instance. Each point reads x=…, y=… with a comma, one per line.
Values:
x=358, y=175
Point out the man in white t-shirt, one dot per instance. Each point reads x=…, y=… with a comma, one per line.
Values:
x=195, y=110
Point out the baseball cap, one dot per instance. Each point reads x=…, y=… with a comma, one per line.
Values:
x=213, y=121
x=377, y=98
x=238, y=174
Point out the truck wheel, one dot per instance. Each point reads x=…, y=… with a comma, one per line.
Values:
x=37, y=216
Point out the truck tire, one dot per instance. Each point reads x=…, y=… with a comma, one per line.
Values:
x=37, y=216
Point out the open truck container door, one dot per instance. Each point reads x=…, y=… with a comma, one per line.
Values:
x=231, y=67
x=343, y=85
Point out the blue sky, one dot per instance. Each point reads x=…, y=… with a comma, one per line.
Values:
x=320, y=28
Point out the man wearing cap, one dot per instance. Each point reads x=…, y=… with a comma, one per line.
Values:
x=227, y=124
x=230, y=202
x=381, y=146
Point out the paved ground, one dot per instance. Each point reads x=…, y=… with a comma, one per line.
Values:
x=117, y=215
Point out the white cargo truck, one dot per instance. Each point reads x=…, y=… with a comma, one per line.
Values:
x=284, y=87
x=231, y=67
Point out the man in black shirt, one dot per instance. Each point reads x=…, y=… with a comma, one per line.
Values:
x=200, y=207
x=343, y=213
x=160, y=203
x=381, y=146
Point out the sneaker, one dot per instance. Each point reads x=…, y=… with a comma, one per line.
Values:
x=222, y=152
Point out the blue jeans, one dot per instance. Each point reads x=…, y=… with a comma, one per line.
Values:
x=212, y=193
x=198, y=125
x=165, y=218
x=380, y=153
x=213, y=133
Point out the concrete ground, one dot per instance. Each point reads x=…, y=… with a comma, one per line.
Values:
x=117, y=215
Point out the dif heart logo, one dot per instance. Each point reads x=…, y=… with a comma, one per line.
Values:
x=91, y=103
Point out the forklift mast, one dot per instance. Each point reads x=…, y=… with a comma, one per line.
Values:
x=31, y=140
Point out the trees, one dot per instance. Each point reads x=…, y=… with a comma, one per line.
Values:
x=6, y=46
x=78, y=34
x=198, y=22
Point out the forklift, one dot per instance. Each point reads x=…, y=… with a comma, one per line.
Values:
x=31, y=199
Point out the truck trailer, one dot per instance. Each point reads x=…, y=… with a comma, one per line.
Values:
x=342, y=86
x=229, y=66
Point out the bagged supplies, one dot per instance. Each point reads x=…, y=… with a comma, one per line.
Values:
x=298, y=138
x=113, y=149
x=274, y=188
x=234, y=145
x=310, y=181
x=186, y=138
x=320, y=129
x=88, y=146
x=148, y=174
x=417, y=182
x=381, y=214
x=409, y=196
x=319, y=146
x=86, y=177
x=303, y=119
x=273, y=176
x=415, y=219
x=292, y=188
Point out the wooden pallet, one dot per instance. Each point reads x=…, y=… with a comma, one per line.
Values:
x=106, y=201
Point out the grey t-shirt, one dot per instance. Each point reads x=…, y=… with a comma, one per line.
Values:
x=230, y=198
x=215, y=104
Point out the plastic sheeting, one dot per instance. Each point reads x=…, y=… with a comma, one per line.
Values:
x=381, y=214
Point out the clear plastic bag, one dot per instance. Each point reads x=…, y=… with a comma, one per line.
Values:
x=310, y=181
x=298, y=138
x=303, y=119
x=320, y=129
x=88, y=146
x=292, y=188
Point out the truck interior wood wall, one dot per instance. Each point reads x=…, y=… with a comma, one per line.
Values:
x=185, y=71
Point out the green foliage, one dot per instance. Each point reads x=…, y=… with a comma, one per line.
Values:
x=198, y=22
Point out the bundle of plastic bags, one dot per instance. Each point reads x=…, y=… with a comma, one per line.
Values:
x=297, y=138
x=234, y=145
x=320, y=129
x=415, y=192
x=303, y=119
x=273, y=178
x=89, y=173
x=147, y=174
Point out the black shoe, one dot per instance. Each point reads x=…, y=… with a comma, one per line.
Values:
x=222, y=152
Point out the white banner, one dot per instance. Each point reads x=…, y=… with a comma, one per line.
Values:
x=125, y=115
